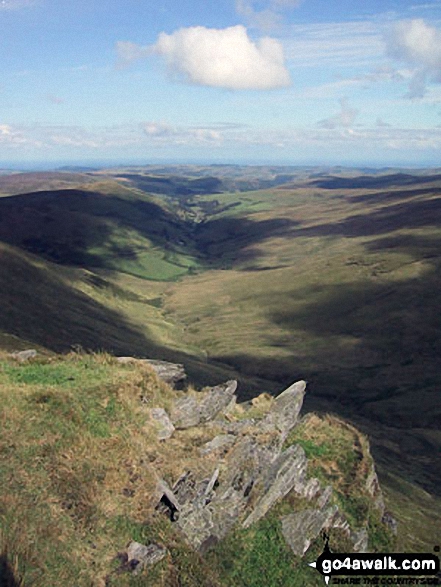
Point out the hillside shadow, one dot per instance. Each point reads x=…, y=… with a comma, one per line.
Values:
x=373, y=182
x=65, y=226
x=38, y=306
x=232, y=238
x=414, y=214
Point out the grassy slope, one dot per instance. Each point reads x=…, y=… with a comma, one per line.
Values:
x=78, y=477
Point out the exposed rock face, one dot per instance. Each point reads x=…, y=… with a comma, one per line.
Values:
x=172, y=373
x=163, y=422
x=217, y=400
x=219, y=444
x=286, y=472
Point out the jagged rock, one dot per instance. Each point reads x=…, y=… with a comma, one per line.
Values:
x=286, y=408
x=163, y=422
x=24, y=355
x=217, y=400
x=301, y=528
x=172, y=373
x=140, y=556
x=188, y=411
x=185, y=413
x=220, y=443
x=168, y=502
x=287, y=472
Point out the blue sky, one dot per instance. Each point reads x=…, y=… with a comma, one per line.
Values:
x=281, y=81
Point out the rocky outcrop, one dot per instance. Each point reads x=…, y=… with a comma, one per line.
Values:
x=172, y=373
x=301, y=528
x=188, y=411
x=251, y=472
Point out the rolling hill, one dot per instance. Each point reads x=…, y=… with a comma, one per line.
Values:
x=327, y=275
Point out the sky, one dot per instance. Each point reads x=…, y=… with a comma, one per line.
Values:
x=300, y=82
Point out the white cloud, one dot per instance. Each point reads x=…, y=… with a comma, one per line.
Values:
x=418, y=44
x=343, y=119
x=224, y=58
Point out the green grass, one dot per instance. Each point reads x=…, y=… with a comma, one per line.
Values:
x=259, y=557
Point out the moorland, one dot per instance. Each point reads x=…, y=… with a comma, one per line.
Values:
x=262, y=274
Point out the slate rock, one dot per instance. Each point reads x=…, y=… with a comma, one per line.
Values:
x=286, y=408
x=163, y=422
x=360, y=540
x=220, y=443
x=172, y=373
x=23, y=356
x=185, y=413
x=217, y=400
x=287, y=472
x=300, y=529
x=139, y=556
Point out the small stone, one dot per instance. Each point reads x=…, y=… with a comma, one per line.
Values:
x=24, y=355
x=140, y=556
x=185, y=413
x=163, y=422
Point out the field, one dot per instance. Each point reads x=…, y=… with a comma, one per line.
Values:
x=266, y=275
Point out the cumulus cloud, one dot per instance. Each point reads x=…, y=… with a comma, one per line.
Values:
x=224, y=58
x=419, y=45
x=343, y=119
